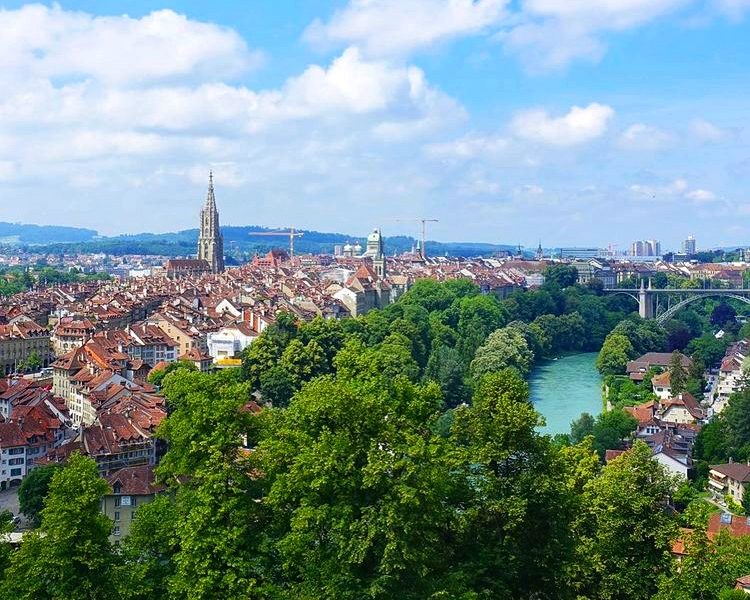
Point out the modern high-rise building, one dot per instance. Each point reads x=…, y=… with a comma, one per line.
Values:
x=210, y=240
x=645, y=248
x=688, y=246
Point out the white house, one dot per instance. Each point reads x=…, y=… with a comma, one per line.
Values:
x=230, y=341
x=662, y=386
x=12, y=455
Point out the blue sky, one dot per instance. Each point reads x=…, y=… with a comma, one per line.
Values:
x=566, y=121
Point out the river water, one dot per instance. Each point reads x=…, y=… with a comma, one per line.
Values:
x=562, y=389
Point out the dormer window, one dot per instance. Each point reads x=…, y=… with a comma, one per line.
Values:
x=117, y=487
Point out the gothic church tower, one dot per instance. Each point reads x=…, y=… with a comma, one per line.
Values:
x=210, y=240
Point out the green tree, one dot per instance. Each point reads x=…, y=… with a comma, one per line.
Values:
x=32, y=363
x=147, y=555
x=447, y=368
x=267, y=349
x=678, y=335
x=561, y=275
x=708, y=568
x=582, y=427
x=611, y=429
x=614, y=355
x=678, y=375
x=504, y=348
x=723, y=314
x=708, y=349
x=220, y=522
x=697, y=514
x=6, y=527
x=478, y=317
x=626, y=537
x=736, y=417
x=518, y=507
x=645, y=335
x=565, y=332
x=69, y=556
x=535, y=337
x=277, y=386
x=389, y=359
x=303, y=361
x=358, y=483
x=34, y=489
x=156, y=376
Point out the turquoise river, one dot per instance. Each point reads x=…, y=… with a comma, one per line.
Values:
x=564, y=388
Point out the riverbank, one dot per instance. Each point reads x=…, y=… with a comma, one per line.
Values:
x=562, y=389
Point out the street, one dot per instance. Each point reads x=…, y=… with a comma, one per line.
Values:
x=9, y=501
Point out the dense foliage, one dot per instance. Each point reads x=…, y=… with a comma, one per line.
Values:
x=397, y=455
x=15, y=280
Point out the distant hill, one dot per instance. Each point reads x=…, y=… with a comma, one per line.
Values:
x=238, y=242
x=18, y=233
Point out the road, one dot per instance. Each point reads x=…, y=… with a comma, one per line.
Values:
x=9, y=501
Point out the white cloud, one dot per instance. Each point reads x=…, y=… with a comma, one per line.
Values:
x=550, y=34
x=701, y=196
x=707, y=131
x=105, y=122
x=41, y=41
x=468, y=147
x=477, y=182
x=734, y=9
x=676, y=190
x=350, y=84
x=676, y=187
x=396, y=27
x=644, y=137
x=578, y=126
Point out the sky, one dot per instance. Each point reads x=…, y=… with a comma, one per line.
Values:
x=565, y=122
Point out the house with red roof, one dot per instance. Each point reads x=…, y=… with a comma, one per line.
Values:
x=130, y=488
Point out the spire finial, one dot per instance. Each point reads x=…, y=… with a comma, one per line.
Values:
x=210, y=178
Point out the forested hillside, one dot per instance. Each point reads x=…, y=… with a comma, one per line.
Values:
x=239, y=242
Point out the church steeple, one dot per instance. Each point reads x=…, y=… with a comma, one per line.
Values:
x=210, y=240
x=210, y=198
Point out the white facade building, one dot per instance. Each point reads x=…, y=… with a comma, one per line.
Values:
x=230, y=341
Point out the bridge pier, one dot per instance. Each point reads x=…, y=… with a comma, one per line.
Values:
x=646, y=302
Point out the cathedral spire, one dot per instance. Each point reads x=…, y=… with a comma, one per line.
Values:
x=210, y=240
x=210, y=198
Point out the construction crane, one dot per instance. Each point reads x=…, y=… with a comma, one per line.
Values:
x=291, y=234
x=423, y=221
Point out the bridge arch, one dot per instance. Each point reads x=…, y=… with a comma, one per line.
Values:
x=670, y=312
x=623, y=293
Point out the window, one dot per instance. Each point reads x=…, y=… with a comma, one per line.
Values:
x=15, y=472
x=16, y=451
x=126, y=501
x=116, y=531
x=117, y=515
x=117, y=501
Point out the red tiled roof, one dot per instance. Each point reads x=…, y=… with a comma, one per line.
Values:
x=137, y=481
x=738, y=527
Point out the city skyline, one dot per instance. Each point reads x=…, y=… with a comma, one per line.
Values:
x=630, y=127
